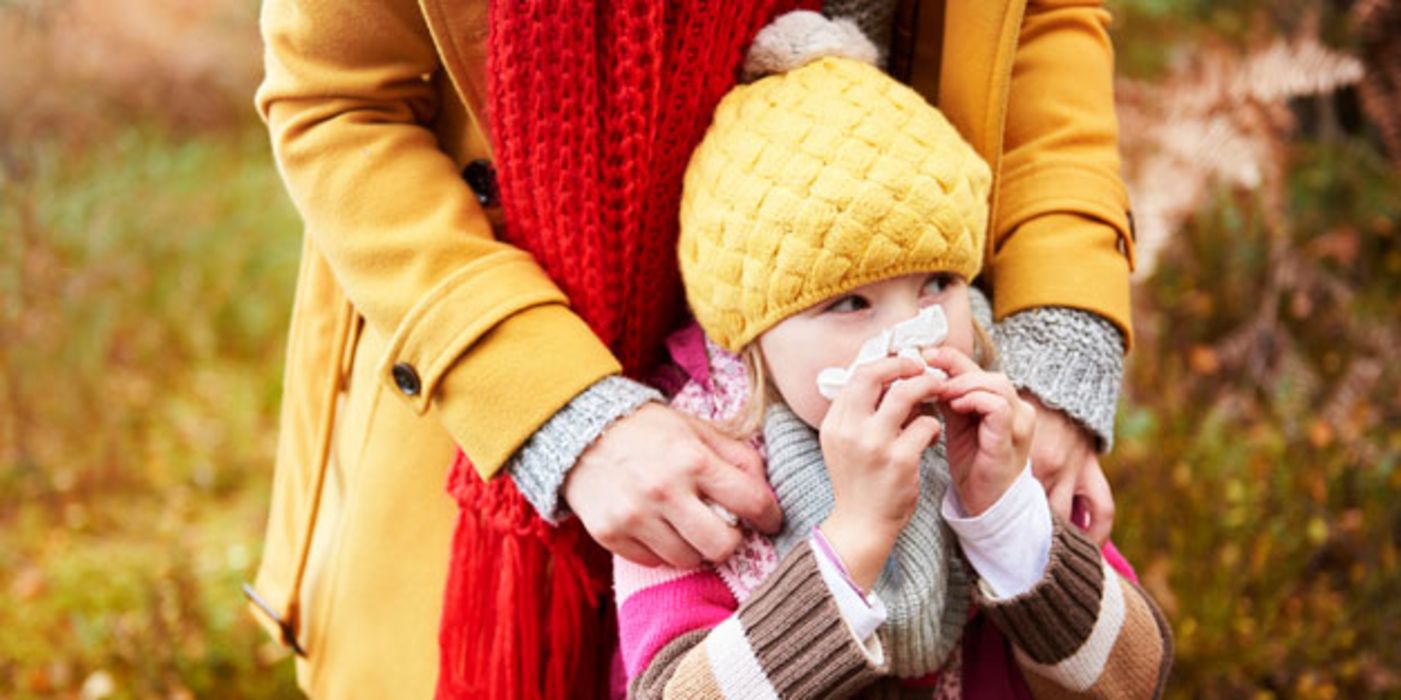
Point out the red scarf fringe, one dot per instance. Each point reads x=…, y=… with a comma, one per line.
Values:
x=523, y=599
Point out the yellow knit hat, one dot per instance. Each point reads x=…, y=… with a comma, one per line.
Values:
x=818, y=180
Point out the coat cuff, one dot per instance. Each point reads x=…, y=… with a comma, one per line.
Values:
x=432, y=335
x=514, y=378
x=1072, y=360
x=541, y=465
x=1066, y=260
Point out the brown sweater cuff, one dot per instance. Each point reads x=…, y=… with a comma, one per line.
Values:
x=1054, y=619
x=804, y=646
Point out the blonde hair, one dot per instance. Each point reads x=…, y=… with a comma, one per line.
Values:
x=749, y=419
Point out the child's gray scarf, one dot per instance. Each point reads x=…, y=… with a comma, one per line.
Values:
x=924, y=585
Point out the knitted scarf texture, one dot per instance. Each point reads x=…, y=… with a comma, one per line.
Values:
x=924, y=584
x=594, y=109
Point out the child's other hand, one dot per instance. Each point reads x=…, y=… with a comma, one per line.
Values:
x=872, y=439
x=989, y=428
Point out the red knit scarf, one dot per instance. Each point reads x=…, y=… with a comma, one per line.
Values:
x=594, y=110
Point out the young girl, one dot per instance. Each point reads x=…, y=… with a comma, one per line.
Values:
x=831, y=223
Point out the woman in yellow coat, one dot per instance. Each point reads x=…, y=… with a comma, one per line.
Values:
x=416, y=329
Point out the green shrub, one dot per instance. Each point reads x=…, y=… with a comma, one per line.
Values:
x=146, y=289
x=1256, y=472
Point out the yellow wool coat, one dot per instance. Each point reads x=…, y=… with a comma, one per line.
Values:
x=370, y=104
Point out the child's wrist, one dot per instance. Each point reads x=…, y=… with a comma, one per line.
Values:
x=862, y=548
x=983, y=490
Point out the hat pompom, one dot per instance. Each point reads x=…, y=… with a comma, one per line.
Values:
x=800, y=37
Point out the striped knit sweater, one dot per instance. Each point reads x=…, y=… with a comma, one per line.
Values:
x=758, y=627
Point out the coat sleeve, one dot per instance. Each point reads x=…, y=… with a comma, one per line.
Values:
x=1084, y=631
x=683, y=635
x=348, y=96
x=1062, y=234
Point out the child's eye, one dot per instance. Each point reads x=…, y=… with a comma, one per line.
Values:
x=849, y=303
x=936, y=284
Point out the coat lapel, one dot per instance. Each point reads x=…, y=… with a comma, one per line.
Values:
x=460, y=29
x=977, y=69
x=977, y=72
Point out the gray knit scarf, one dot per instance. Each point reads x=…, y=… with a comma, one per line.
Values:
x=924, y=584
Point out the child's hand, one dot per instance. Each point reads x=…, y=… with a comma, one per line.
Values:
x=989, y=428
x=872, y=440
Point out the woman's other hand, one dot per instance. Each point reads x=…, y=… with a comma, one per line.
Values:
x=1064, y=459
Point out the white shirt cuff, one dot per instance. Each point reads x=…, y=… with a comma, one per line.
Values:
x=1009, y=543
x=862, y=612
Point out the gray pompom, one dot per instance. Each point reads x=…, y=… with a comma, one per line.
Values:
x=800, y=37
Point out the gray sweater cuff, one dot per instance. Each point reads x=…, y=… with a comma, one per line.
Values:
x=540, y=466
x=1072, y=360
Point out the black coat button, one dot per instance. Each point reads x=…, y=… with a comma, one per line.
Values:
x=406, y=378
x=481, y=177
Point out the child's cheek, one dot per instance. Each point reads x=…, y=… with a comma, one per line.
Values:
x=961, y=338
x=809, y=404
x=824, y=406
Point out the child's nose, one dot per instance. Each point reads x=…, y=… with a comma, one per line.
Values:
x=904, y=310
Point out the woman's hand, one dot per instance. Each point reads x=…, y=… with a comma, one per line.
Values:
x=641, y=489
x=872, y=439
x=1064, y=460
x=989, y=428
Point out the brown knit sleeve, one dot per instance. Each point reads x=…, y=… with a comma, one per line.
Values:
x=652, y=682
x=799, y=636
x=787, y=640
x=1084, y=630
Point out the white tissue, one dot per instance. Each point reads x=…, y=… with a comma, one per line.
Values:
x=904, y=339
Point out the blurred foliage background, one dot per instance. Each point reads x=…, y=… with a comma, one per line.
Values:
x=148, y=252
